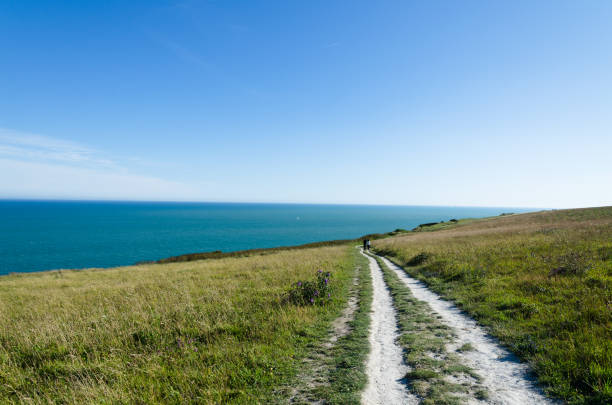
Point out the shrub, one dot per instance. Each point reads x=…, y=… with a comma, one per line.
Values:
x=311, y=292
x=418, y=259
x=605, y=253
x=571, y=263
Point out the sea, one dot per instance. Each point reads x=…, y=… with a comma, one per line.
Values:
x=46, y=235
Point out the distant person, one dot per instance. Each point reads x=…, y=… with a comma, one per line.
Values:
x=367, y=244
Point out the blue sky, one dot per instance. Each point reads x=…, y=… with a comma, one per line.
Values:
x=488, y=103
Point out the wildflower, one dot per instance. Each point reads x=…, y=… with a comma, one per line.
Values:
x=316, y=292
x=319, y=271
x=312, y=300
x=328, y=295
x=299, y=283
x=327, y=274
x=326, y=281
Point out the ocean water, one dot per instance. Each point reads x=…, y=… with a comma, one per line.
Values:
x=45, y=235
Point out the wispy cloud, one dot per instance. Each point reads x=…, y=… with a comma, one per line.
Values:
x=26, y=146
x=38, y=166
x=192, y=57
x=179, y=50
x=238, y=28
x=23, y=179
x=331, y=45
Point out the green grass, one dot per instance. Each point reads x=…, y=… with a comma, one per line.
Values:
x=217, y=254
x=347, y=376
x=334, y=372
x=541, y=282
x=425, y=340
x=211, y=331
x=437, y=226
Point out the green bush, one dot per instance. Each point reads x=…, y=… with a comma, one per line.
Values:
x=418, y=259
x=312, y=292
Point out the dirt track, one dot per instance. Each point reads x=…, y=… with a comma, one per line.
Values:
x=505, y=378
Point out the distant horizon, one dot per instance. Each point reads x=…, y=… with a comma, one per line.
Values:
x=43, y=234
x=277, y=203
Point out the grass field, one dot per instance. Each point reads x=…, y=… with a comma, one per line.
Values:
x=347, y=369
x=218, y=327
x=541, y=282
x=204, y=331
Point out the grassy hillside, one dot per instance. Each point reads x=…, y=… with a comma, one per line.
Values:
x=250, y=252
x=541, y=282
x=207, y=331
x=266, y=251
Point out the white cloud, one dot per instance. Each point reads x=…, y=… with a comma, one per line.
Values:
x=36, y=166
x=22, y=179
x=25, y=146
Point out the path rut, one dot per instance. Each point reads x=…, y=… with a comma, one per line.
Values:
x=385, y=366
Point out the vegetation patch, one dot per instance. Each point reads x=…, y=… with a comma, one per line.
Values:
x=312, y=292
x=334, y=371
x=348, y=361
x=436, y=226
x=217, y=254
x=418, y=259
x=541, y=283
x=466, y=347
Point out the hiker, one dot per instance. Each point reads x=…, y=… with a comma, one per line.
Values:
x=367, y=244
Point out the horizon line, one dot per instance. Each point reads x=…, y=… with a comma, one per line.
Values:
x=3, y=199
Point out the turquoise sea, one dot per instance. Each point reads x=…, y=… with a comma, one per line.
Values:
x=44, y=235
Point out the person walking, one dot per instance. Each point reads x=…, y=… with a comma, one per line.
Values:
x=365, y=244
x=368, y=244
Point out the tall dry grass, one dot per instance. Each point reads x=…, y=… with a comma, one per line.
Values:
x=210, y=331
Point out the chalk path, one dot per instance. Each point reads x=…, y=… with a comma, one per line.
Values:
x=385, y=367
x=504, y=376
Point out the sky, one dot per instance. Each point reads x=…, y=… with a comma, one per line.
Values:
x=475, y=103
